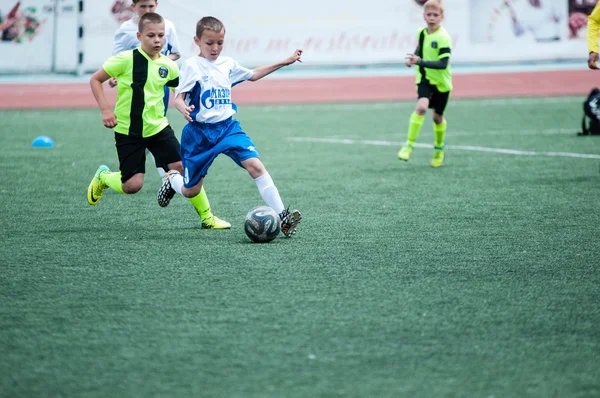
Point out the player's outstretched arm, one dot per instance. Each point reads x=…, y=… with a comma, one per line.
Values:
x=183, y=108
x=263, y=71
x=108, y=116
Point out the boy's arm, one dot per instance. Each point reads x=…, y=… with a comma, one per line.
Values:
x=263, y=71
x=182, y=107
x=172, y=41
x=108, y=116
x=438, y=64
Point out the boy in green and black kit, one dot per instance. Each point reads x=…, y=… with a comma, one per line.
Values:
x=434, y=81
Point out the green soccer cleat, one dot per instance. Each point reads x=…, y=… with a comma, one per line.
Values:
x=438, y=156
x=96, y=187
x=214, y=222
x=289, y=222
x=405, y=152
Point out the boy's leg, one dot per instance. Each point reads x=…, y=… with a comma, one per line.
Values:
x=131, y=153
x=173, y=183
x=414, y=127
x=269, y=193
x=240, y=148
x=439, y=102
x=416, y=122
x=113, y=180
x=167, y=151
x=438, y=149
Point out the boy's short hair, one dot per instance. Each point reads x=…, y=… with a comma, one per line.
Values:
x=148, y=18
x=137, y=1
x=209, y=23
x=436, y=4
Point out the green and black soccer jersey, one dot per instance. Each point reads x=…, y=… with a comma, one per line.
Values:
x=436, y=46
x=140, y=109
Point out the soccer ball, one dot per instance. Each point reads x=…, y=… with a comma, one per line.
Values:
x=262, y=224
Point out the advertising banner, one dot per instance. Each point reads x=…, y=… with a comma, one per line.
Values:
x=26, y=35
x=332, y=33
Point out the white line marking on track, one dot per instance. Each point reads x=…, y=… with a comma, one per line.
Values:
x=459, y=147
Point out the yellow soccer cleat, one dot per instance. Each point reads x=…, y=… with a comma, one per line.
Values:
x=405, y=152
x=438, y=157
x=214, y=222
x=96, y=187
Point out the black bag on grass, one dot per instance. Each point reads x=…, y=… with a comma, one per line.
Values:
x=590, y=125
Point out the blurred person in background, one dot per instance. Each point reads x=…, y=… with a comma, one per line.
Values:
x=579, y=10
x=535, y=17
x=592, y=34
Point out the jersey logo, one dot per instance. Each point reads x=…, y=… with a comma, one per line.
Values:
x=219, y=97
x=434, y=44
x=204, y=78
x=163, y=71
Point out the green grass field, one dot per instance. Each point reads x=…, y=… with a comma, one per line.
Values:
x=478, y=279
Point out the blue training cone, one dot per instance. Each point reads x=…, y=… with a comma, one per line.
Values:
x=42, y=141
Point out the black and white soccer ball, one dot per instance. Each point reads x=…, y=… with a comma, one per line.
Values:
x=262, y=224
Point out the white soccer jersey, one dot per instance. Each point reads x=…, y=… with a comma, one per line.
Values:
x=208, y=86
x=126, y=38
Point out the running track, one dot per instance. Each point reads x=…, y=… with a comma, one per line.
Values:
x=275, y=91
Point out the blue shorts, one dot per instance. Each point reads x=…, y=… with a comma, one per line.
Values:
x=201, y=143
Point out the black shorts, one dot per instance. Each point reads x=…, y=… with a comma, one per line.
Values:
x=164, y=146
x=437, y=99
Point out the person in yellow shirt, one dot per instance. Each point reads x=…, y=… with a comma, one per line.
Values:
x=592, y=36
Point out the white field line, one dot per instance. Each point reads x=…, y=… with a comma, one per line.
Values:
x=570, y=131
x=459, y=147
x=403, y=104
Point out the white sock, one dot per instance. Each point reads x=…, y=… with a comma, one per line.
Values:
x=176, y=181
x=268, y=191
x=161, y=172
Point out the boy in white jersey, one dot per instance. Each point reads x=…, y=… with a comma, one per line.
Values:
x=204, y=98
x=126, y=36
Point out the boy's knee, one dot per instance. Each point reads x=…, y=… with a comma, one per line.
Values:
x=438, y=119
x=134, y=184
x=191, y=192
x=421, y=110
x=255, y=168
x=176, y=166
x=131, y=188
